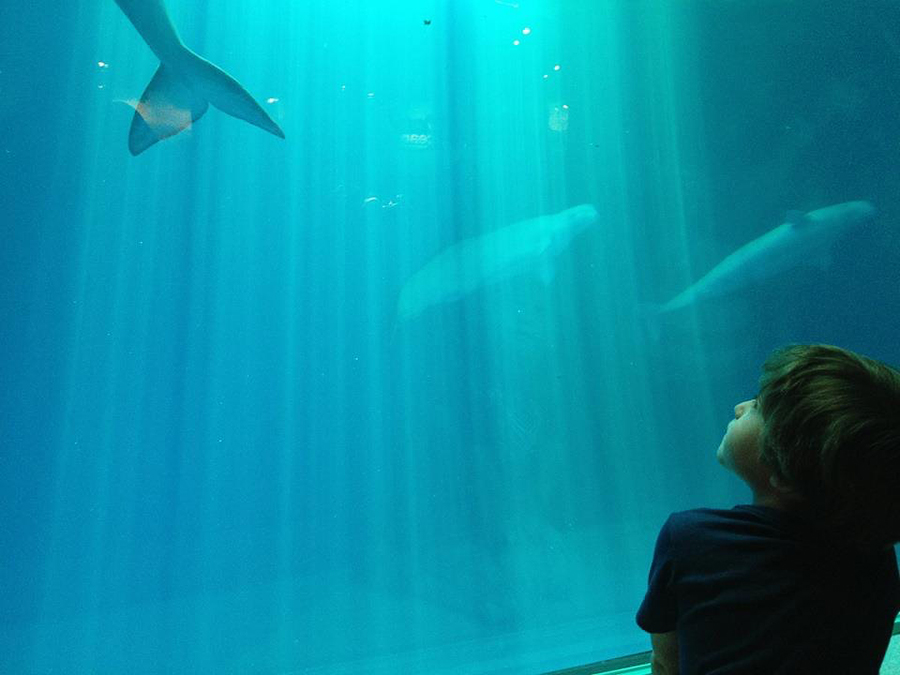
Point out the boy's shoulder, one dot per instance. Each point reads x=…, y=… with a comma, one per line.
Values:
x=695, y=527
x=748, y=530
x=742, y=513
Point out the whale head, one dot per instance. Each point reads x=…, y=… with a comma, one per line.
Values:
x=571, y=222
x=580, y=216
x=846, y=214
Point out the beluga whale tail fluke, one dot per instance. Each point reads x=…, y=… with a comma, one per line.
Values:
x=184, y=84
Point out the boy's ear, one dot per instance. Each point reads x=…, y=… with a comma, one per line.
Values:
x=786, y=490
x=777, y=484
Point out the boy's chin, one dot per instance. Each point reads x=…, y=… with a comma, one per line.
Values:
x=724, y=458
x=720, y=453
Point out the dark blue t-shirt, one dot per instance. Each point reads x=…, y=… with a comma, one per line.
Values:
x=752, y=591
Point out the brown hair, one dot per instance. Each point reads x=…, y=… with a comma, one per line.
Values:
x=831, y=434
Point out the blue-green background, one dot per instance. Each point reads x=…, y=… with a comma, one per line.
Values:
x=219, y=454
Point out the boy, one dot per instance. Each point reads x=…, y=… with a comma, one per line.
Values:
x=804, y=580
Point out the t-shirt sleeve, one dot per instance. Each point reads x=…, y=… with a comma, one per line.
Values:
x=658, y=612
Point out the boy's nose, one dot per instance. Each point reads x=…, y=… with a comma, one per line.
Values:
x=741, y=407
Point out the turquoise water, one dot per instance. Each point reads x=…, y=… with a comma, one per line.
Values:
x=226, y=446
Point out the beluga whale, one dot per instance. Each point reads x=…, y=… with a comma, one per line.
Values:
x=462, y=268
x=184, y=84
x=803, y=239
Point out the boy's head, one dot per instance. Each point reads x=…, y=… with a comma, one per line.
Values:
x=831, y=434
